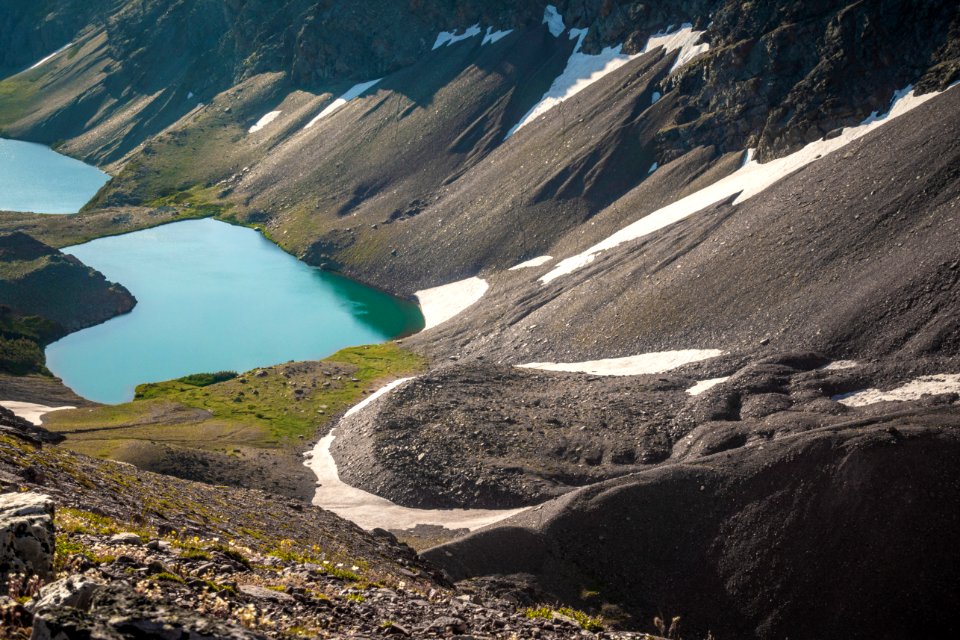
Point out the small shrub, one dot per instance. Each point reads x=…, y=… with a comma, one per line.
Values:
x=207, y=379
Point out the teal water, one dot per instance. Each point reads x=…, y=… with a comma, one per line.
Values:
x=214, y=297
x=38, y=179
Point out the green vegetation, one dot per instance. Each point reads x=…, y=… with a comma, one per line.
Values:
x=167, y=577
x=585, y=621
x=268, y=409
x=17, y=95
x=207, y=379
x=21, y=357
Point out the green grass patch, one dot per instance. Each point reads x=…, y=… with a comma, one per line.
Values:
x=17, y=96
x=585, y=621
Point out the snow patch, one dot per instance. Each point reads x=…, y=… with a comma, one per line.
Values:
x=264, y=121
x=655, y=98
x=631, y=365
x=913, y=390
x=334, y=106
x=29, y=411
x=50, y=57
x=370, y=511
x=705, y=385
x=554, y=21
x=746, y=182
x=190, y=95
x=493, y=37
x=447, y=38
x=439, y=304
x=582, y=70
x=682, y=39
x=653, y=168
x=534, y=262
x=839, y=365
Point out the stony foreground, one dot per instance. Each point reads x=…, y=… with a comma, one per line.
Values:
x=96, y=549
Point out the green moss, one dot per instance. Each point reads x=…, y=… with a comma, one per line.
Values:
x=165, y=576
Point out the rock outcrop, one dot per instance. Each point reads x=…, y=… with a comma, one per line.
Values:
x=26, y=537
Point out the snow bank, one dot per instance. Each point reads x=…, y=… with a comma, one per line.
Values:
x=582, y=70
x=748, y=181
x=534, y=262
x=682, y=39
x=705, y=385
x=913, y=390
x=446, y=38
x=554, y=21
x=439, y=304
x=370, y=511
x=353, y=93
x=30, y=412
x=264, y=121
x=631, y=365
x=50, y=57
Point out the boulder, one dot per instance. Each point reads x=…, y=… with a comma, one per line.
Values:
x=75, y=592
x=26, y=536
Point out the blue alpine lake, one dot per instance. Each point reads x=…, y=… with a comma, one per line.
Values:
x=35, y=178
x=212, y=297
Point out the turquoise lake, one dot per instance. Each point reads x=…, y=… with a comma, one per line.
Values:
x=34, y=178
x=212, y=297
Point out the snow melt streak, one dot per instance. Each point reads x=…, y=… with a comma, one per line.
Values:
x=748, y=181
x=264, y=121
x=353, y=93
x=370, y=511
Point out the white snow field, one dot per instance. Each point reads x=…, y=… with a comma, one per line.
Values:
x=369, y=511
x=583, y=70
x=746, y=182
x=645, y=363
x=913, y=390
x=264, y=121
x=682, y=39
x=533, y=262
x=492, y=37
x=50, y=57
x=334, y=106
x=29, y=411
x=439, y=304
x=446, y=38
x=554, y=21
x=705, y=385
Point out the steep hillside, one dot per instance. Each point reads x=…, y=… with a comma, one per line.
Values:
x=690, y=279
x=45, y=294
